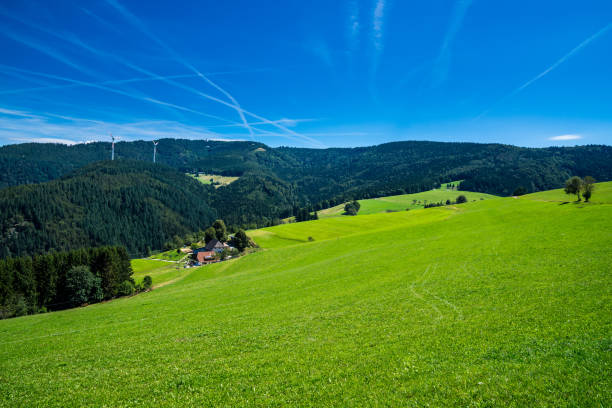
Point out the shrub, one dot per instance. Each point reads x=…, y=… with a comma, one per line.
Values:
x=126, y=288
x=352, y=208
x=461, y=199
x=147, y=282
x=21, y=307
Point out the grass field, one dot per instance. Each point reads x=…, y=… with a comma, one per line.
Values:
x=403, y=202
x=214, y=178
x=443, y=185
x=171, y=255
x=602, y=194
x=493, y=303
x=160, y=271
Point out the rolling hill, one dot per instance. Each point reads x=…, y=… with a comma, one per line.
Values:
x=500, y=302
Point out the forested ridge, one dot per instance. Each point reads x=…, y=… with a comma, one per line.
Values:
x=133, y=202
x=320, y=174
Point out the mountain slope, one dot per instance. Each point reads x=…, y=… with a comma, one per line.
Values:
x=501, y=302
x=135, y=204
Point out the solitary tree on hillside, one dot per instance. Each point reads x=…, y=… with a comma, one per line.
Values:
x=573, y=186
x=588, y=186
x=352, y=207
x=461, y=199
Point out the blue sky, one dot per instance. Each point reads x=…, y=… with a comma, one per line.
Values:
x=307, y=73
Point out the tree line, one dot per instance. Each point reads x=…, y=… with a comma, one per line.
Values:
x=60, y=280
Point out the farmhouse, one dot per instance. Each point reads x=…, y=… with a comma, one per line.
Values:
x=216, y=245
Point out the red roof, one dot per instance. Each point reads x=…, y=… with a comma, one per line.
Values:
x=205, y=256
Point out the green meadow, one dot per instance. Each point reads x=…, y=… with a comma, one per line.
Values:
x=214, y=178
x=171, y=255
x=404, y=202
x=160, y=271
x=501, y=302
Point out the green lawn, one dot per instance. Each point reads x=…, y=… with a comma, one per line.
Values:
x=494, y=303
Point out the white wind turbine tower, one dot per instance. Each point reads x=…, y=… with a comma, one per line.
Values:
x=154, y=149
x=112, y=147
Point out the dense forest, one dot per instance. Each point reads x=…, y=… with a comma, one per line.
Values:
x=135, y=204
x=321, y=174
x=44, y=282
x=59, y=197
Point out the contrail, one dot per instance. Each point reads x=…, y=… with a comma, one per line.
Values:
x=377, y=25
x=117, y=91
x=134, y=20
x=112, y=82
x=563, y=59
x=78, y=42
x=141, y=26
x=190, y=89
x=549, y=69
x=287, y=122
x=442, y=64
x=52, y=53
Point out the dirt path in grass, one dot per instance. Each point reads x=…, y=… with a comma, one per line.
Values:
x=161, y=285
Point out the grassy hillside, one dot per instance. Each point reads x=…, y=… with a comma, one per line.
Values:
x=501, y=302
x=602, y=194
x=161, y=272
x=404, y=201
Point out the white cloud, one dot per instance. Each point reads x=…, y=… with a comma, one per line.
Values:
x=565, y=137
x=44, y=140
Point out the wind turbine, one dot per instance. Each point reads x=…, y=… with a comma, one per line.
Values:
x=154, y=149
x=112, y=147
